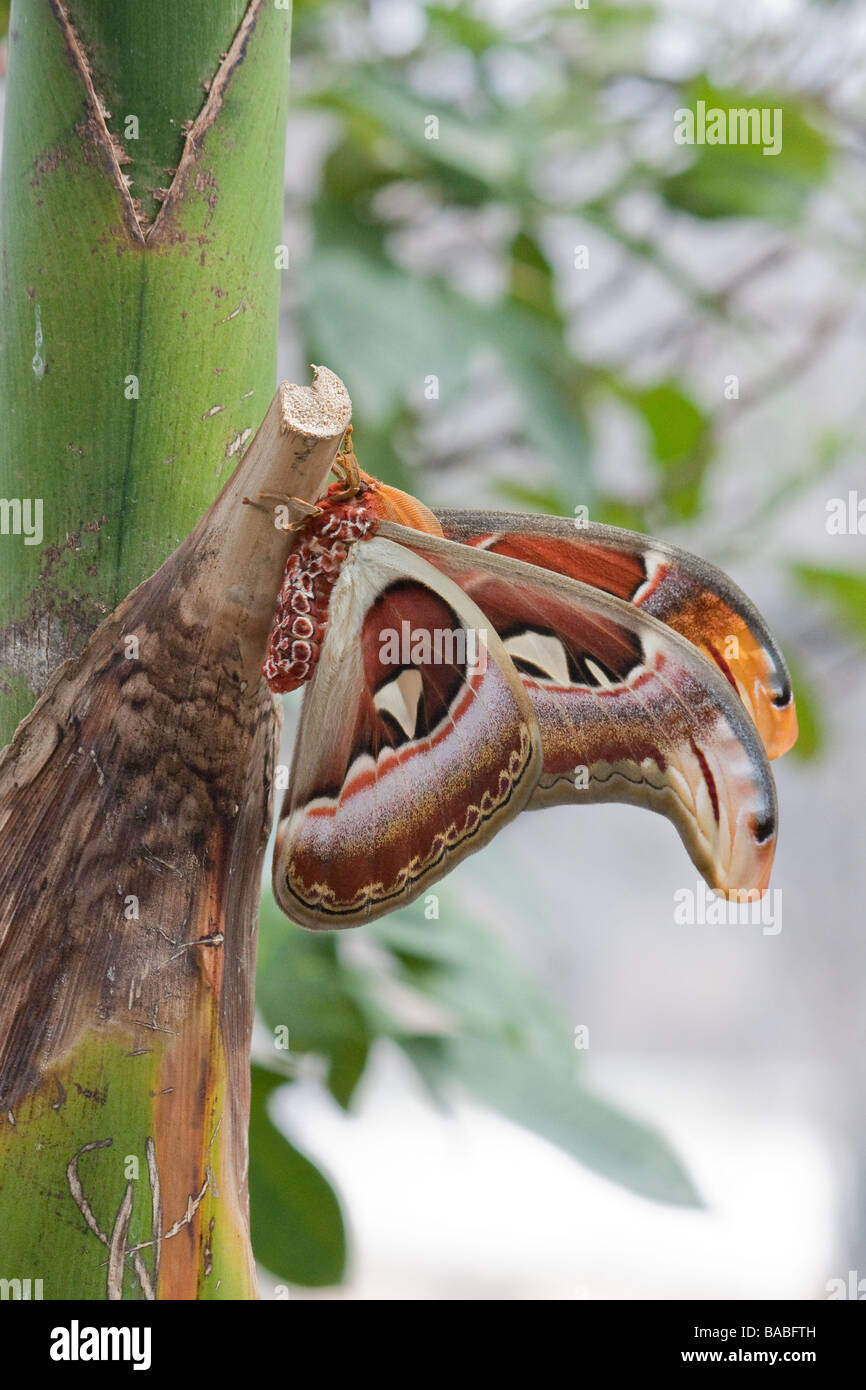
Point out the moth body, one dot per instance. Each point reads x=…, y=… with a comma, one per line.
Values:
x=301, y=616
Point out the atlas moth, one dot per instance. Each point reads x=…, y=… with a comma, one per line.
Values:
x=590, y=648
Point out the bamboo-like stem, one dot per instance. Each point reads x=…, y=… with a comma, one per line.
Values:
x=140, y=222
x=135, y=802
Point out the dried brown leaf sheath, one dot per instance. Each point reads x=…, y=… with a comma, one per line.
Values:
x=135, y=803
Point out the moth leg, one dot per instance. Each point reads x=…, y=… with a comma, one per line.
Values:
x=347, y=469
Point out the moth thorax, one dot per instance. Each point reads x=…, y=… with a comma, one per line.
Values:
x=301, y=616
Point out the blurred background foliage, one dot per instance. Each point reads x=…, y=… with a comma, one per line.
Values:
x=454, y=171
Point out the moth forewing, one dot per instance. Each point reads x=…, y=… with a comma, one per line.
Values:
x=684, y=591
x=379, y=808
x=665, y=730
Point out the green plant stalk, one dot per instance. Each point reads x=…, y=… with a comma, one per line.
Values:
x=127, y=929
x=135, y=354
x=138, y=326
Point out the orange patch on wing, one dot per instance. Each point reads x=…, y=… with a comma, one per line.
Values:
x=749, y=671
x=391, y=504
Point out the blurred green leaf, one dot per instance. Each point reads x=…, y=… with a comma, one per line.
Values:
x=543, y=501
x=499, y=1034
x=511, y=1048
x=348, y=1060
x=471, y=977
x=384, y=332
x=619, y=511
x=479, y=154
x=675, y=423
x=548, y=1101
x=612, y=15
x=301, y=985
x=377, y=447
x=739, y=180
x=810, y=737
x=679, y=434
x=297, y=1225
x=843, y=591
x=547, y=382
x=532, y=279
x=475, y=35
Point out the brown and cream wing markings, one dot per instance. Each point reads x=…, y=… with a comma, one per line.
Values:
x=400, y=769
x=648, y=718
x=683, y=591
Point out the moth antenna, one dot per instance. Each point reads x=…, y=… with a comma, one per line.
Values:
x=248, y=502
x=307, y=509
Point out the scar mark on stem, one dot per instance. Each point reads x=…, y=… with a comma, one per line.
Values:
x=192, y=1206
x=215, y=939
x=156, y=1193
x=117, y=1247
x=161, y=863
x=153, y=1025
x=38, y=360
x=100, y=1097
x=193, y=1202
x=237, y=442
x=208, y=1248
